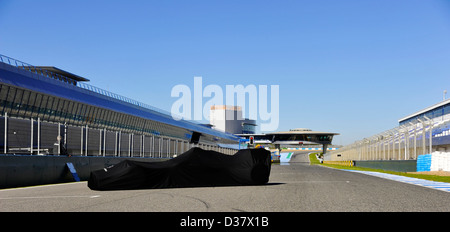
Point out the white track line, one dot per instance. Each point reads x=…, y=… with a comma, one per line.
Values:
x=42, y=186
x=410, y=180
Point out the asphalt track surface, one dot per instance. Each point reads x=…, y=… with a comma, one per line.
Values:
x=297, y=187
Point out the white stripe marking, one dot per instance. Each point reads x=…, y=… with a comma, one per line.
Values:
x=42, y=186
x=409, y=180
x=47, y=197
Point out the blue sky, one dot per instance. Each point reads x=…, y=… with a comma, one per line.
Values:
x=349, y=66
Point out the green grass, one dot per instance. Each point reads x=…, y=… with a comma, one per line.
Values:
x=315, y=161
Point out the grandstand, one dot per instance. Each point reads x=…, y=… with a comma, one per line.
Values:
x=422, y=132
x=299, y=138
x=48, y=111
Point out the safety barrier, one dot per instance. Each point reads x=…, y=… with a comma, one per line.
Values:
x=349, y=163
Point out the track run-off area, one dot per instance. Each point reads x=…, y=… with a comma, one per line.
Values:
x=294, y=187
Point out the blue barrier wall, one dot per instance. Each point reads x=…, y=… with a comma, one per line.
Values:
x=424, y=163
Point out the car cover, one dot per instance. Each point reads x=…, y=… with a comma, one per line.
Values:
x=194, y=168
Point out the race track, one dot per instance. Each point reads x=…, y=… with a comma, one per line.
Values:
x=297, y=187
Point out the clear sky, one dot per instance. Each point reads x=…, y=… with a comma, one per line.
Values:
x=350, y=66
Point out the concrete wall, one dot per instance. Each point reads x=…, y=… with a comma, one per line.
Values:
x=391, y=165
x=18, y=170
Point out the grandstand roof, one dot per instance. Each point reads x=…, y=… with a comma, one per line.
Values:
x=303, y=131
x=62, y=72
x=445, y=102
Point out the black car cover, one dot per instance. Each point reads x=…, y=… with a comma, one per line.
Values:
x=194, y=168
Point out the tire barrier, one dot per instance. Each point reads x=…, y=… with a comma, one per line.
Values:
x=349, y=163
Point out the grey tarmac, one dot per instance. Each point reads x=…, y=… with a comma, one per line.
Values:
x=296, y=187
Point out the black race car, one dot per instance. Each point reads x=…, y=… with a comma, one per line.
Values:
x=194, y=168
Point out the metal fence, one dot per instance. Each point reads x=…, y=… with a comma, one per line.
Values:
x=36, y=137
x=405, y=142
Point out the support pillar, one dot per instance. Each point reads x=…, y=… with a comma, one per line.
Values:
x=324, y=148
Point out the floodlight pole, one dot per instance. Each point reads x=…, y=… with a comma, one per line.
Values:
x=5, y=148
x=405, y=130
x=366, y=150
x=431, y=134
x=415, y=139
x=423, y=135
x=398, y=130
